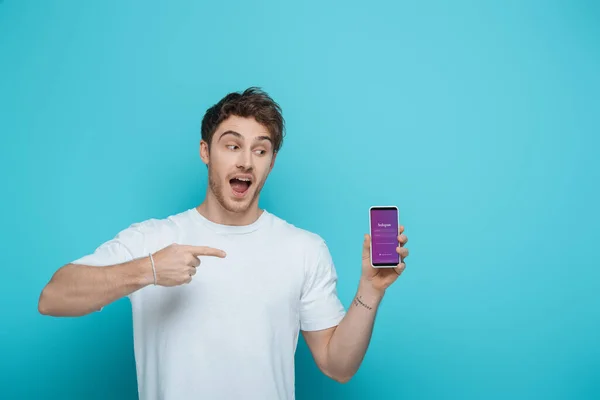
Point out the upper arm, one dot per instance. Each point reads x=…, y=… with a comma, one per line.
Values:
x=318, y=342
x=321, y=309
x=119, y=249
x=320, y=306
x=123, y=247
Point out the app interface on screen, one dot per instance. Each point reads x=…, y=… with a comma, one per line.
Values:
x=384, y=240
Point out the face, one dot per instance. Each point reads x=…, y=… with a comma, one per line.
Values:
x=239, y=161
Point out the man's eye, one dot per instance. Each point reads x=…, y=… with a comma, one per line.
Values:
x=261, y=152
x=232, y=146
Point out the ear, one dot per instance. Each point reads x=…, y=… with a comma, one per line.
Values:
x=204, y=154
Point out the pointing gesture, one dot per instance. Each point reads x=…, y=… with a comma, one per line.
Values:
x=176, y=264
x=202, y=251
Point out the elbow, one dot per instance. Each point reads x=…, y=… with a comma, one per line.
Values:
x=336, y=372
x=49, y=300
x=342, y=378
x=50, y=304
x=44, y=307
x=339, y=377
x=50, y=295
x=53, y=302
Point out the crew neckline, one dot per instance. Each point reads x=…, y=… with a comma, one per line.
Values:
x=229, y=229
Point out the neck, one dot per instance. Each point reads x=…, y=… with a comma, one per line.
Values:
x=212, y=210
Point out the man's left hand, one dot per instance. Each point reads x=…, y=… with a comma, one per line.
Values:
x=380, y=279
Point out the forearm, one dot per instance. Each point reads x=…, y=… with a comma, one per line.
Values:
x=77, y=290
x=349, y=342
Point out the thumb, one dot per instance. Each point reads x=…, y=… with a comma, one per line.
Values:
x=367, y=246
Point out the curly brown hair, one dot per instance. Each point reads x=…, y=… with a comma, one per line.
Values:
x=252, y=102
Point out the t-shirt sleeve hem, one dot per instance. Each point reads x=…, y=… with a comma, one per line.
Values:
x=322, y=324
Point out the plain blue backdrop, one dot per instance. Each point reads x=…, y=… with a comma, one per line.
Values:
x=479, y=120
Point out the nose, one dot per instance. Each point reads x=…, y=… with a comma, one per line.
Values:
x=244, y=160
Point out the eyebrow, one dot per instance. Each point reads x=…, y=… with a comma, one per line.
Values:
x=238, y=135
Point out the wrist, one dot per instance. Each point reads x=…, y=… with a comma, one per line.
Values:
x=142, y=272
x=370, y=293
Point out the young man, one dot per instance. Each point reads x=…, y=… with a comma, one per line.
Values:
x=220, y=292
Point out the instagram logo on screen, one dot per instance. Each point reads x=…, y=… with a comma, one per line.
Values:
x=384, y=236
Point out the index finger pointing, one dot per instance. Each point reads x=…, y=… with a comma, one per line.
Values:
x=205, y=251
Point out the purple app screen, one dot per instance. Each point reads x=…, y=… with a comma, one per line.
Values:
x=384, y=239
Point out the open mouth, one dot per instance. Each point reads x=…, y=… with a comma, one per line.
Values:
x=240, y=185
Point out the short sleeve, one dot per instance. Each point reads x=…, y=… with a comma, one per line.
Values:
x=320, y=306
x=117, y=250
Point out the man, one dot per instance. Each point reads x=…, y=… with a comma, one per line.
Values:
x=220, y=292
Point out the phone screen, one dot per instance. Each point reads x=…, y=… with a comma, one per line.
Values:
x=384, y=236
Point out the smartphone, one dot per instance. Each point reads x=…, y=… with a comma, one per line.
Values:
x=384, y=236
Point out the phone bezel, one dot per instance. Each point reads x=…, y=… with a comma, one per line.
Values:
x=371, y=209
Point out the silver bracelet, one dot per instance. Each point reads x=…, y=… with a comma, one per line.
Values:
x=153, y=268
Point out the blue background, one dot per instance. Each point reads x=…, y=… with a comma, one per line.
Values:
x=478, y=119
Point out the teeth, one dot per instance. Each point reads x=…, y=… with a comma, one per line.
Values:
x=243, y=179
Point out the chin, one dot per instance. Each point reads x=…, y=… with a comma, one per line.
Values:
x=235, y=200
x=238, y=207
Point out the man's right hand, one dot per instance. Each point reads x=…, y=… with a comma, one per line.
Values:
x=76, y=290
x=176, y=264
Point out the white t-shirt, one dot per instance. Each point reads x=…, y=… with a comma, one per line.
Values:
x=232, y=332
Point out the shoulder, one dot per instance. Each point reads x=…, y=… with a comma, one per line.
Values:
x=154, y=230
x=310, y=243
